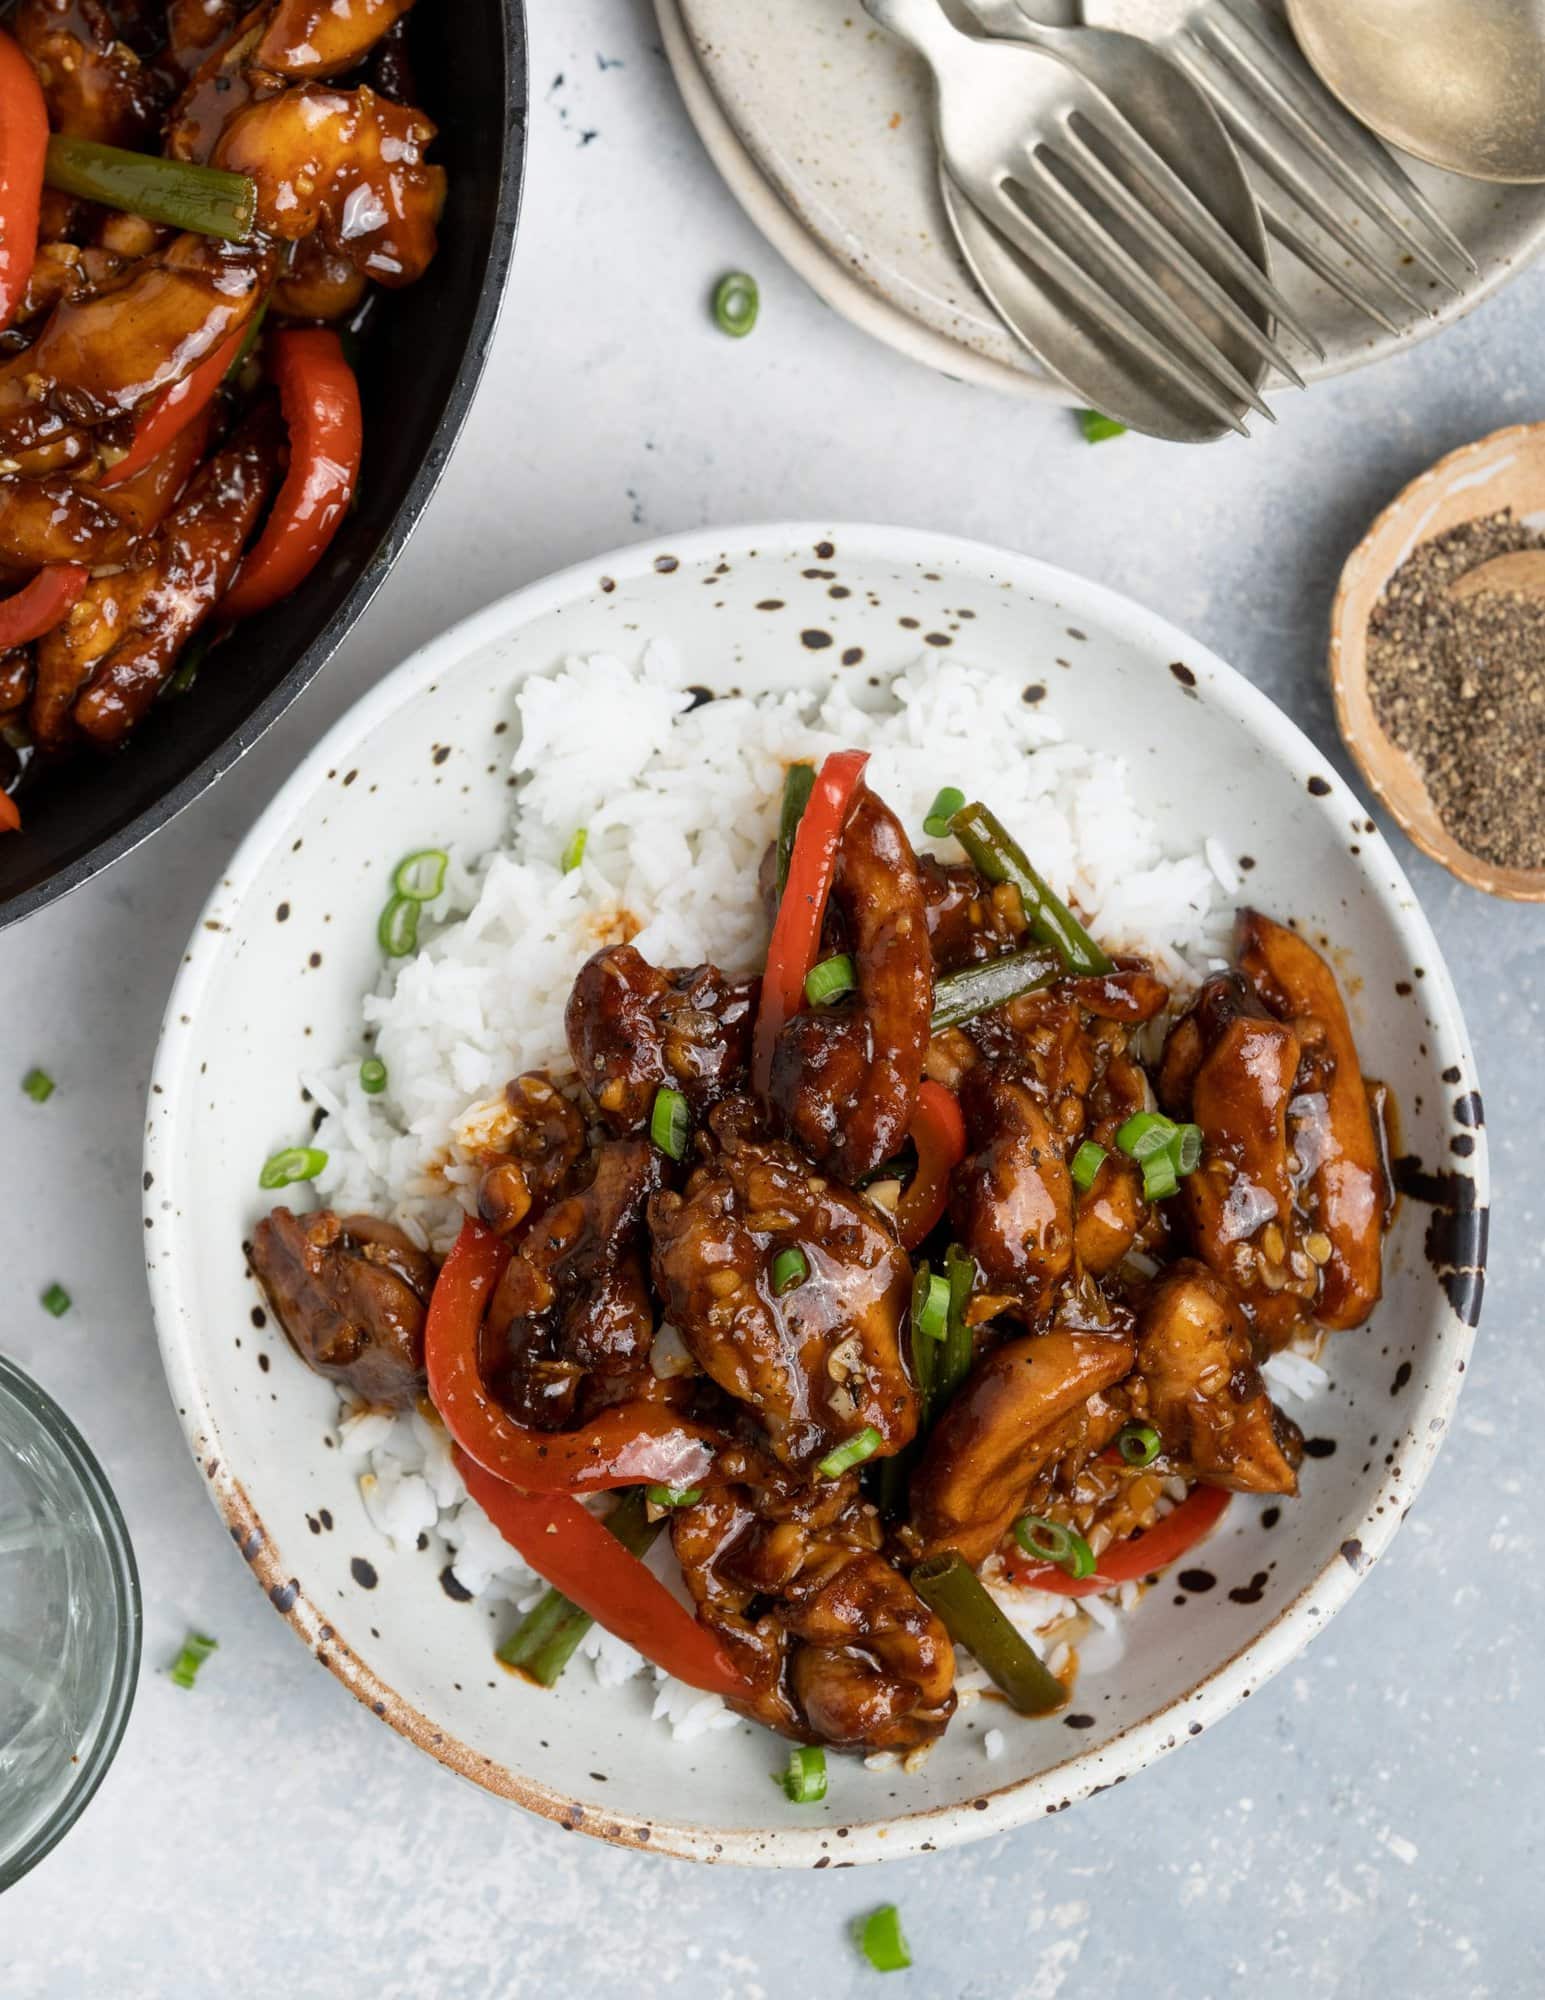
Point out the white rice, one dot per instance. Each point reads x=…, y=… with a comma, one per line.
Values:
x=678, y=804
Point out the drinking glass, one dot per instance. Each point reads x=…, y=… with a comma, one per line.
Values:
x=69, y=1624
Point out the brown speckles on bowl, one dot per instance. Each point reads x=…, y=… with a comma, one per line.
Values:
x=814, y=639
x=364, y=1573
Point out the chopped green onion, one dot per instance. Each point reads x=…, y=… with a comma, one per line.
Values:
x=1146, y=1134
x=1097, y=429
x=949, y=1586
x=1087, y=1162
x=937, y=819
x=196, y=1649
x=798, y=784
x=853, y=1452
x=574, y=853
x=39, y=1085
x=1139, y=1444
x=926, y=1353
x=188, y=667
x=956, y=1354
x=1159, y=1181
x=673, y=1496
x=790, y=1268
x=830, y=980
x=179, y=193
x=420, y=877
x=545, y=1640
x=295, y=1163
x=56, y=1300
x=881, y=1941
x=397, y=931
x=932, y=1314
x=805, y=1779
x=1053, y=1543
x=372, y=1076
x=736, y=303
x=670, y=1123
x=1187, y=1149
x=977, y=989
x=999, y=858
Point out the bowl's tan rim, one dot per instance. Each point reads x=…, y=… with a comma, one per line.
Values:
x=1004, y=1808
x=1391, y=774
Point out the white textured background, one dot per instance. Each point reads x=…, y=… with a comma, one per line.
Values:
x=1369, y=1824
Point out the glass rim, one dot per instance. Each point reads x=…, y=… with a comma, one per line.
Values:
x=19, y=1387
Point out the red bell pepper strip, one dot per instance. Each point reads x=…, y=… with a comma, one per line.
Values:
x=630, y=1444
x=41, y=604
x=1138, y=1555
x=10, y=814
x=939, y=1134
x=320, y=400
x=23, y=147
x=568, y=1546
x=796, y=931
x=175, y=408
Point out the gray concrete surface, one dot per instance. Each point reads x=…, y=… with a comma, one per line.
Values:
x=1372, y=1821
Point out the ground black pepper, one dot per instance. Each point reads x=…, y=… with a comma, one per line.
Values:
x=1461, y=688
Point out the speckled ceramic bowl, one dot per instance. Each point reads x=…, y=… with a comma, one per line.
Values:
x=272, y=980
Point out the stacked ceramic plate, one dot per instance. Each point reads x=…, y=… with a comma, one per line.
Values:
x=822, y=126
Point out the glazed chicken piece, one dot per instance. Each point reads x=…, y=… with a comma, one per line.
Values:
x=967, y=919
x=542, y=1140
x=324, y=37
x=574, y=1299
x=1111, y=1215
x=351, y=1294
x=1340, y=1173
x=1011, y=1200
x=836, y=1643
x=94, y=84
x=194, y=27
x=820, y=1360
x=632, y=1027
x=1033, y=1406
x=845, y=1077
x=1202, y=1390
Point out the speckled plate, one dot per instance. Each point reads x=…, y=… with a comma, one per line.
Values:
x=272, y=981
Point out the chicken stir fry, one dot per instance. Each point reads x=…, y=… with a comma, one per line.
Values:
x=196, y=196
x=946, y=1256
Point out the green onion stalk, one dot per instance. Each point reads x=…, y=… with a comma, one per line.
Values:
x=949, y=1586
x=543, y=1643
x=977, y=989
x=999, y=858
x=176, y=193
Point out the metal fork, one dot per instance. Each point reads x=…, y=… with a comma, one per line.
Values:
x=1059, y=174
x=1243, y=55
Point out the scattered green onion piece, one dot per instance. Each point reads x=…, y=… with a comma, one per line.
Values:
x=372, y=1076
x=544, y=1641
x=397, y=930
x=798, y=784
x=196, y=1649
x=1000, y=858
x=1087, y=1162
x=670, y=1123
x=948, y=1585
x=1139, y=1444
x=1053, y=1543
x=673, y=1496
x=295, y=1163
x=1186, y=1151
x=934, y=1319
x=39, y=1085
x=736, y=303
x=1159, y=1181
x=1097, y=429
x=178, y=193
x=420, y=877
x=850, y=1453
x=956, y=1352
x=977, y=989
x=937, y=819
x=1145, y=1135
x=804, y=1782
x=926, y=1353
x=790, y=1268
x=881, y=1941
x=56, y=1300
x=574, y=853
x=830, y=979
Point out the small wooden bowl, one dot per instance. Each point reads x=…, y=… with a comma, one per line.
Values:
x=1506, y=469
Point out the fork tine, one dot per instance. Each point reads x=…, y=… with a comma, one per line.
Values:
x=1271, y=93
x=1176, y=324
x=1298, y=245
x=1291, y=181
x=1136, y=152
x=1169, y=245
x=1309, y=91
x=1030, y=241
